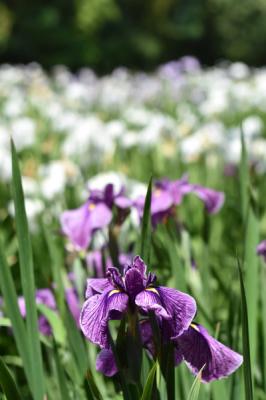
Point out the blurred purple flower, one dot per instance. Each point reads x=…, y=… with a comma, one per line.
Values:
x=108, y=299
x=165, y=196
x=80, y=224
x=43, y=296
x=105, y=363
x=212, y=199
x=73, y=303
x=261, y=249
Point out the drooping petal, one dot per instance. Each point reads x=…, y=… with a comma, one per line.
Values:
x=105, y=363
x=76, y=226
x=100, y=216
x=46, y=297
x=161, y=201
x=123, y=202
x=149, y=300
x=97, y=286
x=212, y=199
x=97, y=311
x=180, y=306
x=200, y=349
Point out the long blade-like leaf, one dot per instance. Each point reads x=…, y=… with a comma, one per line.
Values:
x=245, y=340
x=27, y=279
x=148, y=388
x=195, y=388
x=7, y=383
x=10, y=298
x=146, y=226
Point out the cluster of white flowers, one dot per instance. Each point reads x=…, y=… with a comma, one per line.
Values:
x=63, y=123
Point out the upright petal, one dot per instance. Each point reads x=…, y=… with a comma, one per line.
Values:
x=200, y=349
x=180, y=306
x=133, y=282
x=76, y=226
x=105, y=363
x=139, y=264
x=97, y=311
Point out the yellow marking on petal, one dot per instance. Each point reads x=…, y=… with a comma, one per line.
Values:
x=194, y=327
x=152, y=289
x=113, y=292
x=91, y=206
x=157, y=192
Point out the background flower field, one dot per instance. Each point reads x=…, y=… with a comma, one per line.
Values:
x=77, y=132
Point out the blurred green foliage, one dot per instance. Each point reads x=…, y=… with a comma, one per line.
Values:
x=135, y=33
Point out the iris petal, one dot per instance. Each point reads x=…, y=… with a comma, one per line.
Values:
x=105, y=363
x=149, y=300
x=96, y=312
x=200, y=349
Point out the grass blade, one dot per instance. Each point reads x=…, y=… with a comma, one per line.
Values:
x=245, y=340
x=145, y=243
x=148, y=388
x=27, y=279
x=7, y=383
x=10, y=297
x=195, y=388
x=244, y=178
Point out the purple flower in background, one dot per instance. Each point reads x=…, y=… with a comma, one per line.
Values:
x=261, y=249
x=43, y=296
x=80, y=224
x=108, y=299
x=198, y=349
x=165, y=196
x=212, y=199
x=105, y=363
x=72, y=300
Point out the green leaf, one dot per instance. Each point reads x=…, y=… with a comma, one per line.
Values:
x=56, y=323
x=7, y=383
x=245, y=340
x=148, y=388
x=27, y=280
x=145, y=243
x=195, y=388
x=61, y=377
x=244, y=178
x=252, y=279
x=10, y=298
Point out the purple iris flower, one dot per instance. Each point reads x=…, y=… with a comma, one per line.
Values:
x=261, y=249
x=165, y=196
x=109, y=298
x=43, y=296
x=80, y=224
x=212, y=199
x=198, y=349
x=105, y=363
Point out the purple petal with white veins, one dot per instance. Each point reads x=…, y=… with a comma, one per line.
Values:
x=97, y=286
x=76, y=226
x=200, y=349
x=96, y=312
x=180, y=306
x=105, y=363
x=149, y=300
